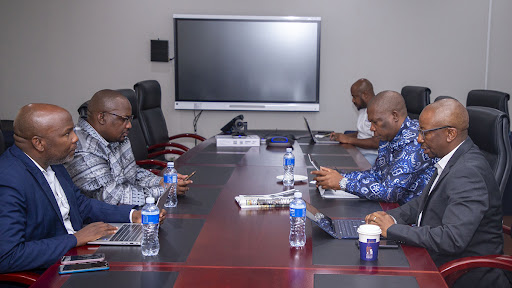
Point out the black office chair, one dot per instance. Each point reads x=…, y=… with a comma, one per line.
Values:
x=489, y=129
x=152, y=117
x=7, y=127
x=138, y=142
x=441, y=97
x=82, y=110
x=488, y=98
x=416, y=98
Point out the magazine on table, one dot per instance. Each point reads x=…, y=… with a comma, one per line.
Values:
x=274, y=200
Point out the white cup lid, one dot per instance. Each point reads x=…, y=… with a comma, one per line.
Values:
x=369, y=229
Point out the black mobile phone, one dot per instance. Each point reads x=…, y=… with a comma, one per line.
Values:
x=83, y=267
x=384, y=244
x=86, y=258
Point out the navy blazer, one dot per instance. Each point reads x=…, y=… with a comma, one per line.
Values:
x=32, y=232
x=462, y=215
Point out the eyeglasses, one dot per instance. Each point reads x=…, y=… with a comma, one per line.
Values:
x=423, y=132
x=125, y=118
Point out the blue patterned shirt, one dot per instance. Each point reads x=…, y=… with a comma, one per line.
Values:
x=401, y=170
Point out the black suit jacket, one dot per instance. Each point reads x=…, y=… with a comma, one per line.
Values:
x=462, y=215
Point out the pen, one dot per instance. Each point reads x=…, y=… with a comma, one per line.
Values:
x=188, y=177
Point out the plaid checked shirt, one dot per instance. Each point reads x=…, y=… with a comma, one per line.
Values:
x=107, y=171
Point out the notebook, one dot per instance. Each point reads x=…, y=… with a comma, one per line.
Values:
x=330, y=193
x=129, y=233
x=339, y=228
x=319, y=140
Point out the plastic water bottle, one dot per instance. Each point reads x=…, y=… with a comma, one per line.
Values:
x=288, y=164
x=171, y=180
x=297, y=221
x=150, y=216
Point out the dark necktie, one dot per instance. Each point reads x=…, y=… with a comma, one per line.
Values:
x=425, y=197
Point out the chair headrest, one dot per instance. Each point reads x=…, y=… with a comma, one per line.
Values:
x=488, y=98
x=130, y=95
x=416, y=98
x=486, y=127
x=149, y=94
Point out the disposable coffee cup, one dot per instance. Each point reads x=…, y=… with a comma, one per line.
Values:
x=369, y=238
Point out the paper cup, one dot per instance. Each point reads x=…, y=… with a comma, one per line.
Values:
x=369, y=238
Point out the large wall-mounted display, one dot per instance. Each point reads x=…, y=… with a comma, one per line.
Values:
x=247, y=63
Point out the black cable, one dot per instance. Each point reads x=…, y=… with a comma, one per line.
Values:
x=194, y=123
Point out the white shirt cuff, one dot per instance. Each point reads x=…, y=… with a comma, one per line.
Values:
x=131, y=212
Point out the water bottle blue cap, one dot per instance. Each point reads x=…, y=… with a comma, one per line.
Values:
x=150, y=200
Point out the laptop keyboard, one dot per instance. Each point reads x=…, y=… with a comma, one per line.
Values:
x=130, y=232
x=348, y=228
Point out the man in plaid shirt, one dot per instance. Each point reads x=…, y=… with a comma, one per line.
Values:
x=104, y=166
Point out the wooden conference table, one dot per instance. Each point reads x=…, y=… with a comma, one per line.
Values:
x=208, y=241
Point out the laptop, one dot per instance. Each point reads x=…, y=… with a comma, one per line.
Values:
x=339, y=228
x=319, y=140
x=129, y=234
x=330, y=193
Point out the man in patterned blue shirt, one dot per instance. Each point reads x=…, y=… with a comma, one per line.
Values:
x=401, y=170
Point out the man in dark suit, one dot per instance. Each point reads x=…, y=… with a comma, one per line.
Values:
x=459, y=212
x=42, y=212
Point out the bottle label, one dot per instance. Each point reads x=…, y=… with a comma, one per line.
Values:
x=301, y=212
x=289, y=161
x=150, y=218
x=171, y=178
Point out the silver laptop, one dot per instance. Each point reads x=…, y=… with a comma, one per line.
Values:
x=129, y=233
x=319, y=140
x=330, y=193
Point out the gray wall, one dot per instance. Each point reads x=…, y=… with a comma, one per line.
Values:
x=62, y=51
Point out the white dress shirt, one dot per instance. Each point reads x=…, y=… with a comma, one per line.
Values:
x=59, y=195
x=440, y=167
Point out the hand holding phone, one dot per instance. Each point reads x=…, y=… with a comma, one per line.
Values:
x=85, y=258
x=83, y=267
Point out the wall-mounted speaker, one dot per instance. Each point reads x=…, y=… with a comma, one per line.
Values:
x=159, y=50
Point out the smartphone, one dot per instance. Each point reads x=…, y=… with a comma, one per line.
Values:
x=189, y=176
x=384, y=244
x=83, y=267
x=75, y=259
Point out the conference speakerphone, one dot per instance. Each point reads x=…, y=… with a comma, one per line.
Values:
x=237, y=141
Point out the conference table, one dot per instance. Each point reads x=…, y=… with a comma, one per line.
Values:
x=209, y=241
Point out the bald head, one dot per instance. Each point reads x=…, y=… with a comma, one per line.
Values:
x=363, y=86
x=389, y=101
x=448, y=122
x=37, y=120
x=362, y=93
x=449, y=112
x=109, y=113
x=105, y=100
x=45, y=133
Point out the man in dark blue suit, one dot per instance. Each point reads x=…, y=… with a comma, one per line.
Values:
x=42, y=212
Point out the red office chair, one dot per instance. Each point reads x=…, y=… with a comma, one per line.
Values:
x=152, y=119
x=24, y=278
x=452, y=270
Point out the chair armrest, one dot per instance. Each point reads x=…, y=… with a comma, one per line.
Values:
x=452, y=270
x=162, y=152
x=168, y=144
x=151, y=162
x=506, y=230
x=187, y=135
x=26, y=278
